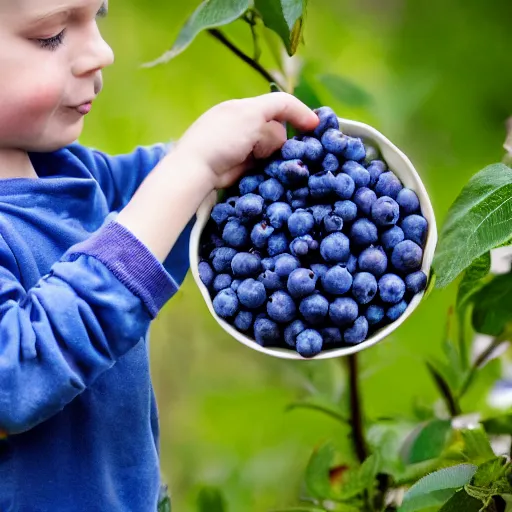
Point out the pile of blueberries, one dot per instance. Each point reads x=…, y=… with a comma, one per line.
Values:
x=318, y=247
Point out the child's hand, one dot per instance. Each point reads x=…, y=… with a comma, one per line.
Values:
x=227, y=138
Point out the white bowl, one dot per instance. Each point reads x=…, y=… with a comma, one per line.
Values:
x=404, y=169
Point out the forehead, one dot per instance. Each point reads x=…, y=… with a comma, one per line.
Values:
x=44, y=8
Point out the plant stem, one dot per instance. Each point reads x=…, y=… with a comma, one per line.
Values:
x=217, y=34
x=356, y=418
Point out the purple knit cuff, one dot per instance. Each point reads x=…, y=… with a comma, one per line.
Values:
x=131, y=262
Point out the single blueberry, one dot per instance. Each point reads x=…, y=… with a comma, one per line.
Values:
x=388, y=185
x=293, y=149
x=392, y=237
x=268, y=263
x=319, y=211
x=245, y=264
x=331, y=336
x=337, y=280
x=357, y=172
x=328, y=119
x=376, y=168
x=314, y=308
x=221, y=212
x=357, y=333
x=330, y=163
x=277, y=243
x=364, y=287
x=301, y=282
x=300, y=223
x=251, y=293
x=222, y=281
x=332, y=223
x=416, y=282
x=300, y=246
x=373, y=260
x=271, y=190
x=396, y=311
x=235, y=284
x=385, y=211
x=319, y=269
x=292, y=331
x=225, y=303
x=271, y=281
x=260, y=234
x=415, y=228
x=391, y=288
x=298, y=204
x=408, y=201
x=281, y=307
x=243, y=321
x=292, y=172
x=343, y=311
x=334, y=141
x=249, y=206
x=365, y=198
x=285, y=264
x=222, y=259
x=321, y=184
x=235, y=234
x=266, y=332
x=301, y=193
x=249, y=184
x=407, y=256
x=335, y=247
x=314, y=150
x=309, y=343
x=374, y=314
x=278, y=214
x=206, y=273
x=272, y=168
x=364, y=233
x=347, y=210
x=354, y=150
x=344, y=186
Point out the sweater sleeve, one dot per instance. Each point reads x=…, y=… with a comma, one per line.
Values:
x=56, y=338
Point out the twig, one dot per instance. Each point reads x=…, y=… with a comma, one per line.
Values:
x=356, y=419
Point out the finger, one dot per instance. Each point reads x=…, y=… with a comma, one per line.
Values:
x=273, y=136
x=283, y=107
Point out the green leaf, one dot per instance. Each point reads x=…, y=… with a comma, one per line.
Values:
x=479, y=220
x=317, y=472
x=300, y=509
x=430, y=441
x=492, y=311
x=489, y=472
x=345, y=91
x=472, y=280
x=442, y=383
x=210, y=14
x=433, y=499
x=210, y=499
x=476, y=445
x=321, y=405
x=498, y=425
x=461, y=502
x=368, y=471
x=164, y=505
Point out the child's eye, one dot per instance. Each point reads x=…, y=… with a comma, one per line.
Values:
x=52, y=43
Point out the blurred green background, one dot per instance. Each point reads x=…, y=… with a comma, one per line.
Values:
x=440, y=77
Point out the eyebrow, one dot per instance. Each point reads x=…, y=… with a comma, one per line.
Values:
x=102, y=12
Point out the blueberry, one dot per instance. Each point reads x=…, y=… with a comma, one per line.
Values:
x=249, y=206
x=221, y=212
x=249, y=184
x=272, y=168
x=243, y=321
x=385, y=211
x=251, y=293
x=293, y=149
x=351, y=264
x=300, y=223
x=415, y=229
x=344, y=186
x=357, y=172
x=374, y=314
x=328, y=119
x=396, y=311
x=408, y=201
x=343, y=311
x=373, y=260
x=319, y=211
x=376, y=168
x=334, y=141
x=391, y=288
x=222, y=281
x=347, y=210
x=357, y=333
x=235, y=234
x=364, y=287
x=235, y=284
x=354, y=150
x=330, y=163
x=266, y=332
x=392, y=237
x=278, y=214
x=222, y=259
x=271, y=281
x=388, y=185
x=314, y=150
x=321, y=184
x=365, y=199
x=301, y=245
x=277, y=243
x=331, y=336
x=335, y=247
x=332, y=223
x=416, y=282
x=301, y=282
x=309, y=343
x=260, y=234
x=285, y=264
x=292, y=331
x=364, y=232
x=206, y=273
x=271, y=190
x=301, y=193
x=314, y=308
x=245, y=264
x=407, y=256
x=337, y=280
x=298, y=204
x=319, y=269
x=268, y=263
x=292, y=172
x=281, y=307
x=225, y=303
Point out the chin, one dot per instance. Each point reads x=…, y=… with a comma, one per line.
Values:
x=62, y=138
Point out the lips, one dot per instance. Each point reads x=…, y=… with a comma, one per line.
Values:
x=84, y=108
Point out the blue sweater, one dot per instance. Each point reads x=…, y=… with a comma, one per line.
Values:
x=78, y=417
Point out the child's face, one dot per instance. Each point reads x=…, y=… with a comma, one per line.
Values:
x=51, y=57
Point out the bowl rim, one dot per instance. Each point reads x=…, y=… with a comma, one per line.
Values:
x=401, y=165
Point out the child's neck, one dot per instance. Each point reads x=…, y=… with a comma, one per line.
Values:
x=15, y=163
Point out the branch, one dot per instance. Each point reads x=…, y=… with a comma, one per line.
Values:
x=356, y=419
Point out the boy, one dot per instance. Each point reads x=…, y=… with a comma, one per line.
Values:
x=91, y=248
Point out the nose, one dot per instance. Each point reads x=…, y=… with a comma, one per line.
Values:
x=95, y=53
